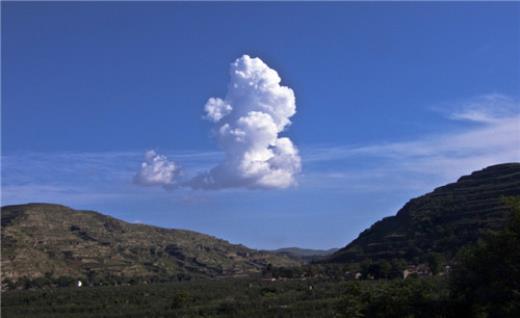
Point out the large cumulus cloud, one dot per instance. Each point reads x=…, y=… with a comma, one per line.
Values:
x=247, y=125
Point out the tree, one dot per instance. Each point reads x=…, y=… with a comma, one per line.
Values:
x=377, y=270
x=487, y=280
x=398, y=266
x=435, y=261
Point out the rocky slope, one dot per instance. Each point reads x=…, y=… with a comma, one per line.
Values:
x=53, y=240
x=442, y=221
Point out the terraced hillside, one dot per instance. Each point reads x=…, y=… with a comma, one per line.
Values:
x=442, y=221
x=53, y=241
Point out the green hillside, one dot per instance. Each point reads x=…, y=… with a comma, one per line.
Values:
x=440, y=222
x=51, y=241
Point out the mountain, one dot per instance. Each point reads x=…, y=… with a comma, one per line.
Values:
x=54, y=241
x=440, y=222
x=304, y=254
x=48, y=240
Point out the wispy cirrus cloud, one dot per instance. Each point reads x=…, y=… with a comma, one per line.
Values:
x=494, y=138
x=489, y=108
x=80, y=177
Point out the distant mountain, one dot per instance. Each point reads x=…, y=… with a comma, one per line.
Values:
x=53, y=240
x=304, y=254
x=440, y=222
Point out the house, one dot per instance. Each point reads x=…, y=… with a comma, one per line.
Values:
x=420, y=270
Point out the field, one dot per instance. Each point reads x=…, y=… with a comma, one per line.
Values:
x=418, y=297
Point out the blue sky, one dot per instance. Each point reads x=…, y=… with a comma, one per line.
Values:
x=392, y=100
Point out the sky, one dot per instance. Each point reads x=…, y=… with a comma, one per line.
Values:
x=265, y=124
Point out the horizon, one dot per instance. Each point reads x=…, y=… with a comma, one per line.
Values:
x=391, y=101
x=105, y=213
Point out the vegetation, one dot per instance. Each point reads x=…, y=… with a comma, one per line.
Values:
x=486, y=281
x=48, y=244
x=236, y=298
x=435, y=226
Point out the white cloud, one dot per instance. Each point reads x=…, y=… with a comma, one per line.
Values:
x=216, y=108
x=156, y=170
x=489, y=108
x=247, y=125
x=256, y=109
x=248, y=121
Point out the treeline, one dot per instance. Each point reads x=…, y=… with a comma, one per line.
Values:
x=433, y=264
x=50, y=280
x=416, y=297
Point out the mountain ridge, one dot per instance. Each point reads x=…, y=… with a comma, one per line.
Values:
x=306, y=255
x=439, y=222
